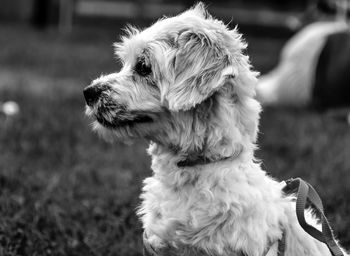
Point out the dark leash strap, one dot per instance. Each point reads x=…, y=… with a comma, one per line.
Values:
x=305, y=192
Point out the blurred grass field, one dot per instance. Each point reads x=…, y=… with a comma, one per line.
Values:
x=64, y=191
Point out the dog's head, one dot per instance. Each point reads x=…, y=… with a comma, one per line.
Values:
x=184, y=80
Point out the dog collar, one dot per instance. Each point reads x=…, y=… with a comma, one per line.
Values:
x=198, y=161
x=201, y=160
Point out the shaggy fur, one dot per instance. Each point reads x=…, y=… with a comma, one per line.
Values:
x=187, y=86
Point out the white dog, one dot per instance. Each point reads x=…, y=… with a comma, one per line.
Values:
x=187, y=86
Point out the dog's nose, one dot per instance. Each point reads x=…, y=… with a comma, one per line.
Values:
x=91, y=94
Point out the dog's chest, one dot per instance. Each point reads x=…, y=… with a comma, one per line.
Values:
x=192, y=217
x=183, y=250
x=185, y=200
x=216, y=211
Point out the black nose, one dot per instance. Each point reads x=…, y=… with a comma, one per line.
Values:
x=91, y=94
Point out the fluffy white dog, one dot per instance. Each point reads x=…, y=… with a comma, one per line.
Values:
x=187, y=86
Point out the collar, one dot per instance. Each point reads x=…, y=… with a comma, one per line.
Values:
x=188, y=162
x=202, y=160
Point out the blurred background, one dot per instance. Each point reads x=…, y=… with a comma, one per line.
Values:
x=64, y=191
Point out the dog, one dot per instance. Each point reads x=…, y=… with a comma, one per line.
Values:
x=188, y=87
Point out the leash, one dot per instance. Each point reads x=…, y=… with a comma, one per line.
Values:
x=306, y=193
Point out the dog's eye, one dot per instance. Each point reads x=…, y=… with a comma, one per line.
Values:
x=142, y=68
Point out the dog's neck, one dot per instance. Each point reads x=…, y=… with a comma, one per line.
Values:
x=196, y=158
x=200, y=158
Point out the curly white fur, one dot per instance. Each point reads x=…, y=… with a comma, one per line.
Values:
x=200, y=100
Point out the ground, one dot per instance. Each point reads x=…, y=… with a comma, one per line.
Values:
x=64, y=191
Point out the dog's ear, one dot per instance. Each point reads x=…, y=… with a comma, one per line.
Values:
x=201, y=10
x=200, y=67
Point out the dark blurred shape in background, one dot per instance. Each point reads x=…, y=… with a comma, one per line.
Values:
x=313, y=65
x=332, y=77
x=41, y=13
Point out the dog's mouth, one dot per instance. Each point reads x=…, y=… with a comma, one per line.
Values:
x=117, y=122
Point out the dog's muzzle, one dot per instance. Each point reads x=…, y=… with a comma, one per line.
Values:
x=110, y=113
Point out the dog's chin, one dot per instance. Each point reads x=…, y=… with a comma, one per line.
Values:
x=124, y=130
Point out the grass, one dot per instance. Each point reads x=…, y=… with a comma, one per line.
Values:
x=63, y=191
